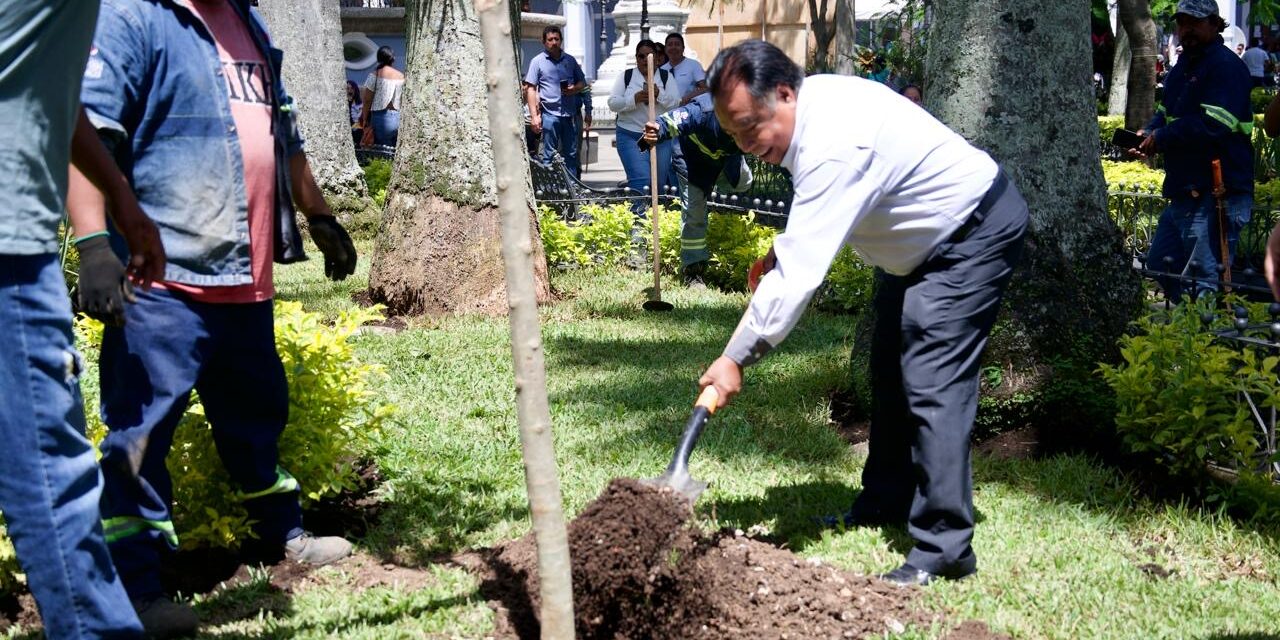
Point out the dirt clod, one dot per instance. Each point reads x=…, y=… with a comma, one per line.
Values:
x=640, y=571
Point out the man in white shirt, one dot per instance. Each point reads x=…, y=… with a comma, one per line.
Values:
x=945, y=225
x=1255, y=57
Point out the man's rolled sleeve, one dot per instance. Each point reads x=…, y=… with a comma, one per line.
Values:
x=116, y=74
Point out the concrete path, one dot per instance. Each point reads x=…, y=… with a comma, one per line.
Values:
x=607, y=171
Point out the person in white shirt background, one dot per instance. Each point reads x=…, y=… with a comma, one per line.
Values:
x=630, y=100
x=1255, y=57
x=945, y=225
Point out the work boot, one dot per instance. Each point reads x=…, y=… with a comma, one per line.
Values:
x=308, y=549
x=163, y=618
x=693, y=275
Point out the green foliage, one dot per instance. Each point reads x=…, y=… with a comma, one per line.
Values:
x=1131, y=174
x=1107, y=126
x=11, y=577
x=668, y=237
x=560, y=241
x=377, y=174
x=1178, y=392
x=607, y=237
x=1259, y=98
x=850, y=283
x=334, y=417
x=735, y=242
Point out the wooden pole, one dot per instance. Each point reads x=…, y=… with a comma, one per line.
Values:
x=653, y=188
x=541, y=477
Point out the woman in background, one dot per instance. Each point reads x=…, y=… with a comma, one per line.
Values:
x=380, y=117
x=355, y=107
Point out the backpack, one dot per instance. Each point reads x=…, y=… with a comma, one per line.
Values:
x=662, y=74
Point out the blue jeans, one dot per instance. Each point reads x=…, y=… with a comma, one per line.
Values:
x=1187, y=233
x=386, y=126
x=49, y=486
x=168, y=346
x=636, y=163
x=559, y=134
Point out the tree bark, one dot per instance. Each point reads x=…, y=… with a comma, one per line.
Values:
x=438, y=249
x=555, y=577
x=310, y=34
x=822, y=35
x=846, y=37
x=1135, y=15
x=1118, y=98
x=1014, y=78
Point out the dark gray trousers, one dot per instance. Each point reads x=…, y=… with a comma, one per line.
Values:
x=931, y=327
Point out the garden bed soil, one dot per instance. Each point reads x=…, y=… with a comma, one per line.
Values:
x=640, y=571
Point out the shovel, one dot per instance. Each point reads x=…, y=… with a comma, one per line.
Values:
x=655, y=303
x=677, y=475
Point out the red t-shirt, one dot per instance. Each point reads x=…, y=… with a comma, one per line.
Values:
x=248, y=80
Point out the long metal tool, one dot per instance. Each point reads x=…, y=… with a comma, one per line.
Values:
x=655, y=302
x=677, y=474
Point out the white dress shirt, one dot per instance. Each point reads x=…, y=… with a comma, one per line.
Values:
x=871, y=170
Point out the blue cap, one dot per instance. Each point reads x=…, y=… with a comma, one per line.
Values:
x=1197, y=8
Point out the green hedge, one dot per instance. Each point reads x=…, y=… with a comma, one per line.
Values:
x=735, y=241
x=1178, y=400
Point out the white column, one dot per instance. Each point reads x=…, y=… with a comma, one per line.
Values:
x=665, y=16
x=578, y=33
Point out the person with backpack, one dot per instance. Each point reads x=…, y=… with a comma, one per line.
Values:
x=630, y=100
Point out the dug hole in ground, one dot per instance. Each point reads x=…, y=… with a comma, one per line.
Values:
x=642, y=570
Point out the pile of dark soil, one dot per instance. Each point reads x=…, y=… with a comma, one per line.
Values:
x=640, y=572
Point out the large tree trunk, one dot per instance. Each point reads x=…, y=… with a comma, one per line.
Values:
x=822, y=35
x=1135, y=15
x=438, y=248
x=846, y=37
x=1014, y=77
x=310, y=34
x=1118, y=99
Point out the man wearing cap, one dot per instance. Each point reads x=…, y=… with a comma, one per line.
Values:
x=944, y=223
x=1204, y=116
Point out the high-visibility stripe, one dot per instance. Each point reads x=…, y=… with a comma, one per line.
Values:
x=693, y=244
x=673, y=130
x=122, y=527
x=1227, y=119
x=714, y=155
x=284, y=484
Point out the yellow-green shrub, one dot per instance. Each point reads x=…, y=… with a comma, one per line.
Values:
x=1107, y=126
x=1131, y=174
x=735, y=243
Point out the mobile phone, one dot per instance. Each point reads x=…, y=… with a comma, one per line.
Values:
x=1126, y=139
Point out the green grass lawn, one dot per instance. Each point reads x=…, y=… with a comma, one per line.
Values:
x=1067, y=548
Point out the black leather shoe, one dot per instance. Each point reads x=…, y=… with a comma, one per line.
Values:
x=908, y=575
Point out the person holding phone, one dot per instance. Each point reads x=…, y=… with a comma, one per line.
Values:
x=630, y=100
x=551, y=88
x=1205, y=116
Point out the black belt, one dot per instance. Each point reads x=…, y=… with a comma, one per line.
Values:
x=983, y=210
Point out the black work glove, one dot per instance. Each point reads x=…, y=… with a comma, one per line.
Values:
x=643, y=144
x=104, y=286
x=335, y=244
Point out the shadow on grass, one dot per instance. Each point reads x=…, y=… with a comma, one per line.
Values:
x=344, y=622
x=1243, y=636
x=432, y=515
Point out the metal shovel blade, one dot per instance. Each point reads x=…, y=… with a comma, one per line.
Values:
x=657, y=305
x=677, y=475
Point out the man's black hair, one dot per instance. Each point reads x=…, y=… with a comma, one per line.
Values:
x=550, y=29
x=760, y=65
x=675, y=34
x=653, y=46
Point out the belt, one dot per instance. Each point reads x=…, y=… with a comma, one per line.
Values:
x=983, y=209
